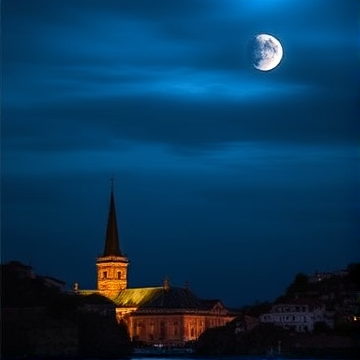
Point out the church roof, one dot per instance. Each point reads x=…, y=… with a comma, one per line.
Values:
x=112, y=247
x=159, y=298
x=137, y=296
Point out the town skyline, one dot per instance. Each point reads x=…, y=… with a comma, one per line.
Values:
x=318, y=274
x=227, y=177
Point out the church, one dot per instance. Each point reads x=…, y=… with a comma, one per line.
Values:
x=166, y=314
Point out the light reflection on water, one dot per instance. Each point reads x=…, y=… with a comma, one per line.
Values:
x=238, y=357
x=192, y=357
x=230, y=357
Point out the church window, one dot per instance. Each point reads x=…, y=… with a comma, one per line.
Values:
x=105, y=275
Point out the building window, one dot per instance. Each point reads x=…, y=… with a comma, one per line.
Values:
x=105, y=275
x=141, y=329
x=119, y=275
x=162, y=330
x=152, y=329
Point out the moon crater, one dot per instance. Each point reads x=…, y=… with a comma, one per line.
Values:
x=266, y=52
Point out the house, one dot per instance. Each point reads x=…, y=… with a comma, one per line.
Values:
x=320, y=276
x=299, y=315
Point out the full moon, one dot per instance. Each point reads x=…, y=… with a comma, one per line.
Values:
x=266, y=52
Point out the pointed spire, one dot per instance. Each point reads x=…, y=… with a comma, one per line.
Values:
x=112, y=247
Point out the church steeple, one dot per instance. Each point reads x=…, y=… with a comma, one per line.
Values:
x=112, y=265
x=112, y=247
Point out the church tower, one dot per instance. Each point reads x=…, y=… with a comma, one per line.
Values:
x=112, y=265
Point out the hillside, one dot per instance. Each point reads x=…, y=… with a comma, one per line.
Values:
x=331, y=301
x=39, y=318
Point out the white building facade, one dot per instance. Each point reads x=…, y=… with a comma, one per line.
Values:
x=298, y=315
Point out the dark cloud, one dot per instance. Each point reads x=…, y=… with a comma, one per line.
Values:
x=107, y=123
x=215, y=161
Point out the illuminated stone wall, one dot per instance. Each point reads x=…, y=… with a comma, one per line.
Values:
x=111, y=275
x=171, y=329
x=165, y=329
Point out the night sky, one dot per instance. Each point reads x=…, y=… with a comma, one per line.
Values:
x=225, y=176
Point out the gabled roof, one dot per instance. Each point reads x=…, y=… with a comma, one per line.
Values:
x=210, y=304
x=159, y=298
